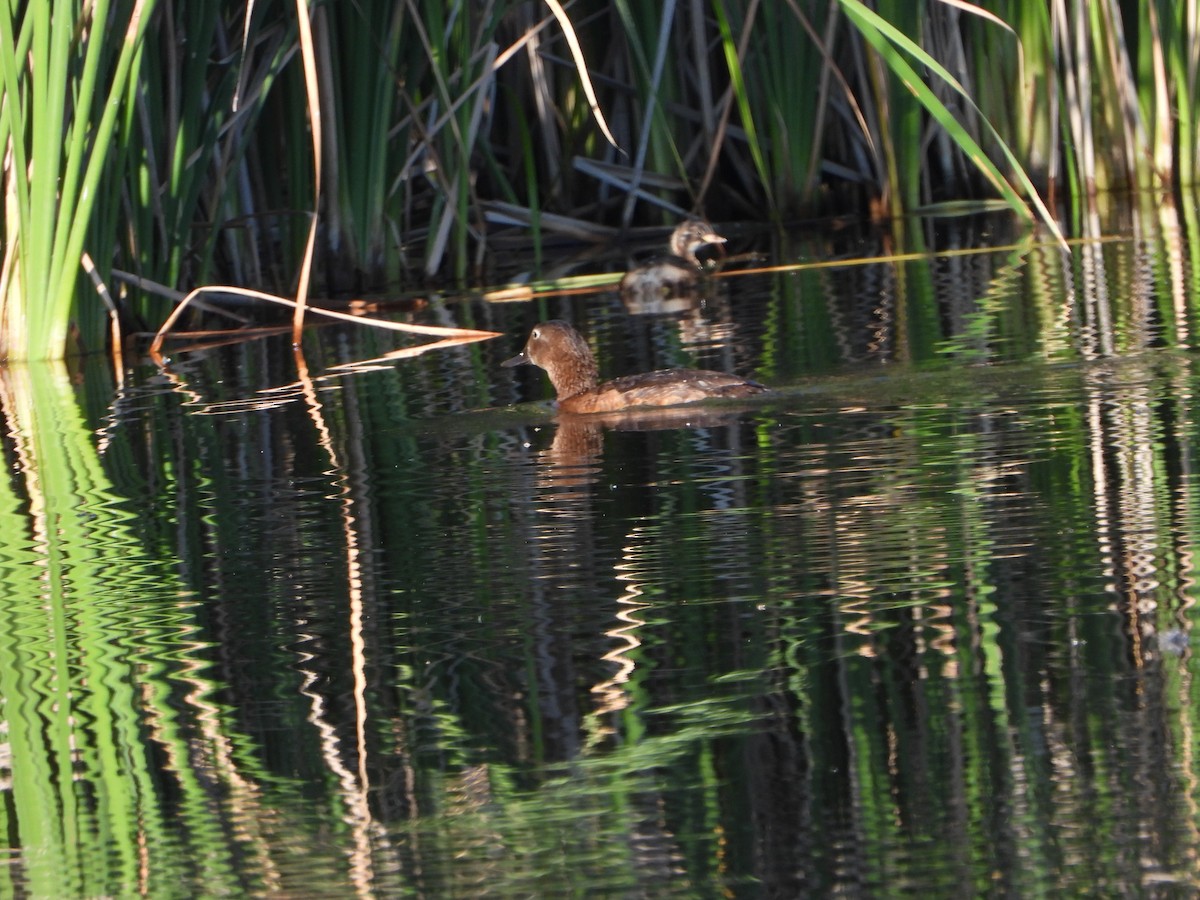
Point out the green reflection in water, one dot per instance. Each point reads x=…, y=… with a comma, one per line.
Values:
x=121, y=772
x=917, y=627
x=607, y=823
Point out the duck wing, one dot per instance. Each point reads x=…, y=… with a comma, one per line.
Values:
x=668, y=387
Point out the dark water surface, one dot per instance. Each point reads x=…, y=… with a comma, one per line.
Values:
x=916, y=622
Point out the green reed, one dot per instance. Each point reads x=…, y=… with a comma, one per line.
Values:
x=181, y=154
x=185, y=191
x=65, y=69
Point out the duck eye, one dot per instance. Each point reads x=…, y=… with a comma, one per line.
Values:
x=536, y=334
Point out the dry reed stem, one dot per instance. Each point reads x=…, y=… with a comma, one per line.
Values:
x=647, y=128
x=312, y=89
x=438, y=330
x=114, y=319
x=581, y=66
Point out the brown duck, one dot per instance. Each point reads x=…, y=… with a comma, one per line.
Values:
x=561, y=350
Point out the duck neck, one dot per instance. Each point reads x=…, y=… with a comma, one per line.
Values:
x=574, y=379
x=683, y=249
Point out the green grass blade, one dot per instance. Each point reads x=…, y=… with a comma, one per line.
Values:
x=885, y=39
x=734, y=61
x=63, y=289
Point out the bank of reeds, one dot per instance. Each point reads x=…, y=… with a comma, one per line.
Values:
x=171, y=141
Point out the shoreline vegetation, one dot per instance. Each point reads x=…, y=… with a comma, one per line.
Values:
x=154, y=147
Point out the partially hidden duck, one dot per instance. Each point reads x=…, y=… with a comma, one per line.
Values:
x=561, y=350
x=678, y=272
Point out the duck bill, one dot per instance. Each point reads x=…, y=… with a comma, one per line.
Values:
x=521, y=359
x=709, y=240
x=715, y=239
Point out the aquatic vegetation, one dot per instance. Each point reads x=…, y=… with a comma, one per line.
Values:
x=187, y=153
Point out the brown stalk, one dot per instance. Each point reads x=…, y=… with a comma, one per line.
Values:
x=438, y=330
x=312, y=88
x=581, y=67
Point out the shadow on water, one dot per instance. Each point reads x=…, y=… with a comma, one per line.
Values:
x=921, y=616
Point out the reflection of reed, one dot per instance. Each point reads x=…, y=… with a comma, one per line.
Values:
x=1182, y=391
x=252, y=818
x=864, y=331
x=862, y=498
x=1144, y=544
x=355, y=785
x=116, y=723
x=611, y=696
x=1122, y=434
x=899, y=561
x=1177, y=285
x=1093, y=301
x=854, y=604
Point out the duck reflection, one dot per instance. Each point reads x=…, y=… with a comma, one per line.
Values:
x=569, y=508
x=568, y=519
x=574, y=454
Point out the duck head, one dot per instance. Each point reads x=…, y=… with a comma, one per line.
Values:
x=690, y=236
x=561, y=350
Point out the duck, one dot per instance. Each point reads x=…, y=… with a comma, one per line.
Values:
x=561, y=350
x=680, y=270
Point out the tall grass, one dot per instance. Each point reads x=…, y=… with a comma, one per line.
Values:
x=180, y=154
x=66, y=69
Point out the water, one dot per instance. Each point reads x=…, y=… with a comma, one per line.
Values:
x=916, y=622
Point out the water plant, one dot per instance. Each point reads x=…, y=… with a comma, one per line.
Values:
x=67, y=70
x=171, y=145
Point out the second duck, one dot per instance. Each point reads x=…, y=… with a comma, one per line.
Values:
x=678, y=272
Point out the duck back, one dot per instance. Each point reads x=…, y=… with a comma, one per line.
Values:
x=666, y=387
